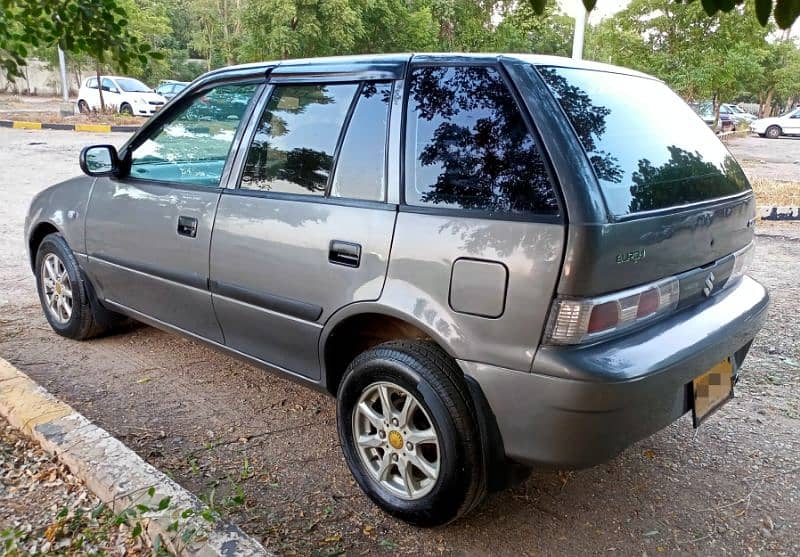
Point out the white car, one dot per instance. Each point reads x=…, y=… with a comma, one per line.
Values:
x=738, y=115
x=788, y=124
x=125, y=94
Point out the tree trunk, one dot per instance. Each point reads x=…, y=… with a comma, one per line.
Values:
x=715, y=106
x=100, y=89
x=766, y=109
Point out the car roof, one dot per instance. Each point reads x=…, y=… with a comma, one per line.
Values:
x=364, y=61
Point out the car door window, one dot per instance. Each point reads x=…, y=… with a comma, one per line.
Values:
x=92, y=83
x=361, y=165
x=467, y=145
x=109, y=86
x=294, y=144
x=192, y=145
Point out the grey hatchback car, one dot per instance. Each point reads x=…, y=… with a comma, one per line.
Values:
x=491, y=261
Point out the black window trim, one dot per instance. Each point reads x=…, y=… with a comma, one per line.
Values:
x=234, y=184
x=533, y=217
x=232, y=152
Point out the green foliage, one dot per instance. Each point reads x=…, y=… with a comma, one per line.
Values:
x=785, y=12
x=700, y=57
x=98, y=28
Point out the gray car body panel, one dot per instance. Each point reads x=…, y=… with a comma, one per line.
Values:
x=137, y=258
x=63, y=207
x=562, y=406
x=571, y=423
x=280, y=247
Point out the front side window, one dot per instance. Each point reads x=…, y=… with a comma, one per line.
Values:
x=191, y=147
x=295, y=141
x=467, y=145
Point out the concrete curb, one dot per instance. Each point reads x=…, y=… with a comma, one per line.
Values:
x=117, y=475
x=25, y=125
x=767, y=212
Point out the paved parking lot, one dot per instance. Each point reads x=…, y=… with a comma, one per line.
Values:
x=223, y=429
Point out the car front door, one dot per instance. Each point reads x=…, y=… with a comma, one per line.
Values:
x=793, y=123
x=307, y=228
x=148, y=234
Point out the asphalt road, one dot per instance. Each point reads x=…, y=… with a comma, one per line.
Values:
x=224, y=429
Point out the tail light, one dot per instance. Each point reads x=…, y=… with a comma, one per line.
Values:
x=573, y=321
x=741, y=262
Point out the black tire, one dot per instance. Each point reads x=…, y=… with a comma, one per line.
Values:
x=434, y=379
x=126, y=109
x=83, y=106
x=88, y=317
x=773, y=132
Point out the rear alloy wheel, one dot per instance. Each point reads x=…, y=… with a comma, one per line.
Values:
x=126, y=109
x=407, y=428
x=396, y=440
x=83, y=107
x=773, y=132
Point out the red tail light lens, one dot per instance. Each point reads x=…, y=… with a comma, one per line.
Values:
x=648, y=302
x=605, y=316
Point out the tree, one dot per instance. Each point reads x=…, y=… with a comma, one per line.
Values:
x=785, y=12
x=98, y=28
x=522, y=30
x=699, y=57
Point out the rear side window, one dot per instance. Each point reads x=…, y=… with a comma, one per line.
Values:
x=467, y=145
x=293, y=147
x=649, y=150
x=361, y=166
x=92, y=83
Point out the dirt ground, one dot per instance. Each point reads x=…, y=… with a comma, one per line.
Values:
x=45, y=510
x=264, y=451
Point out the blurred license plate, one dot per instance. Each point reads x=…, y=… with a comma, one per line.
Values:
x=711, y=390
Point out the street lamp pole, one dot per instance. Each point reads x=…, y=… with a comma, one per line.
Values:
x=62, y=63
x=577, y=41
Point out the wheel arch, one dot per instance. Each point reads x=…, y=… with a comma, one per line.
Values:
x=364, y=325
x=37, y=234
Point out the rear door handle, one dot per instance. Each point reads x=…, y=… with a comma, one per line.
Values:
x=187, y=226
x=345, y=253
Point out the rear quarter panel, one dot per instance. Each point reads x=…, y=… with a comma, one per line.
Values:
x=419, y=277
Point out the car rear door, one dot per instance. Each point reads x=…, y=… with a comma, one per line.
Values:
x=148, y=234
x=305, y=226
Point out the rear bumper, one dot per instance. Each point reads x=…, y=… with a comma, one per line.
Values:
x=583, y=405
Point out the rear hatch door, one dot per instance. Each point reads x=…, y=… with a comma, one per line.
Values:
x=676, y=200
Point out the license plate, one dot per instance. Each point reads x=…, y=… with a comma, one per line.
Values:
x=711, y=390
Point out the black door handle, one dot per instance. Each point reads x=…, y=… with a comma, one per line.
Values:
x=345, y=253
x=187, y=226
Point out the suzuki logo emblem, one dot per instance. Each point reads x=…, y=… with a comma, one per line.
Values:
x=709, y=284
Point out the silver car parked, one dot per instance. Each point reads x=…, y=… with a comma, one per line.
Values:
x=490, y=261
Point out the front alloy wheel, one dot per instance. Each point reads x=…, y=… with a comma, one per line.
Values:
x=396, y=440
x=57, y=289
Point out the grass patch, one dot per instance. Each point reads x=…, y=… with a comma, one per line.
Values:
x=776, y=192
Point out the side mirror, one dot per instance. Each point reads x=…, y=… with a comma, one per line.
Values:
x=99, y=160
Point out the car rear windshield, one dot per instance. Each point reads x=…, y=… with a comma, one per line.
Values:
x=649, y=150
